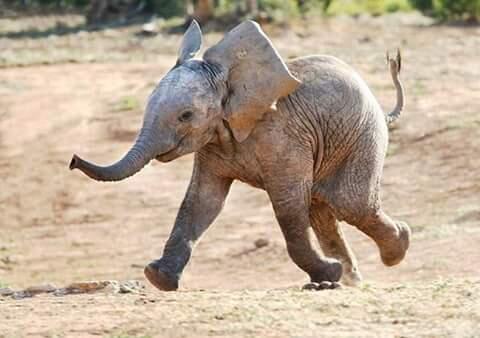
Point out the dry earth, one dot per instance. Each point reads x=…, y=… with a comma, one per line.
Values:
x=84, y=92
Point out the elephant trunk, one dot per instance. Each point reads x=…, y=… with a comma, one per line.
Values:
x=134, y=160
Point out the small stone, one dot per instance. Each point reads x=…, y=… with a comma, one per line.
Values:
x=109, y=286
x=6, y=292
x=141, y=301
x=131, y=286
x=60, y=292
x=106, y=286
x=261, y=242
x=87, y=286
x=112, y=286
x=37, y=289
x=21, y=295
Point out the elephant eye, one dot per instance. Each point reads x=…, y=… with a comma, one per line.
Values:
x=186, y=116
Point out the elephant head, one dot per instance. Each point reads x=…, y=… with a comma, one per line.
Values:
x=237, y=80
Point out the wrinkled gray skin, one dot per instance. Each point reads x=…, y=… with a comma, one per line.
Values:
x=309, y=132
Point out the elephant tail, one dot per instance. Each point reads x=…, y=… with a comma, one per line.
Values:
x=395, y=66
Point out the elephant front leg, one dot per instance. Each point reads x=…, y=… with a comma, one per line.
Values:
x=291, y=203
x=201, y=205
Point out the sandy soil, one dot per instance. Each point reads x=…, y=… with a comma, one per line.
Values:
x=57, y=226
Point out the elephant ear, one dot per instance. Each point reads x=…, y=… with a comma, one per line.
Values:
x=191, y=44
x=256, y=76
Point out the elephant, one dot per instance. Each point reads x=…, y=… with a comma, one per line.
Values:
x=308, y=131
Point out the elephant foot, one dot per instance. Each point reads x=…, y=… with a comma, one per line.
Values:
x=327, y=277
x=160, y=279
x=313, y=286
x=330, y=271
x=395, y=252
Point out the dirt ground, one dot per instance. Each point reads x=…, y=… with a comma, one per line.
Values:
x=84, y=93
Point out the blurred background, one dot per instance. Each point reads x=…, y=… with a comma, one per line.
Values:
x=121, y=11
x=74, y=78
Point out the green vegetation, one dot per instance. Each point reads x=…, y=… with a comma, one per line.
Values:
x=279, y=9
x=422, y=5
x=288, y=8
x=374, y=7
x=48, y=3
x=468, y=10
x=459, y=9
x=127, y=103
x=167, y=8
x=276, y=10
x=171, y=8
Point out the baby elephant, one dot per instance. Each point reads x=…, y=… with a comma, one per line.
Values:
x=307, y=131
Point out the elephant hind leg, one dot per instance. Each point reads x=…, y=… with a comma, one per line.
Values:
x=361, y=208
x=333, y=242
x=391, y=237
x=353, y=195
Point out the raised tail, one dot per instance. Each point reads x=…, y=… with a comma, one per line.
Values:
x=395, y=66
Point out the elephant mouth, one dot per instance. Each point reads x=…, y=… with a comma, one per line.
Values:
x=167, y=156
x=171, y=154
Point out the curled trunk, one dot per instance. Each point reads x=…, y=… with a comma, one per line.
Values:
x=134, y=160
